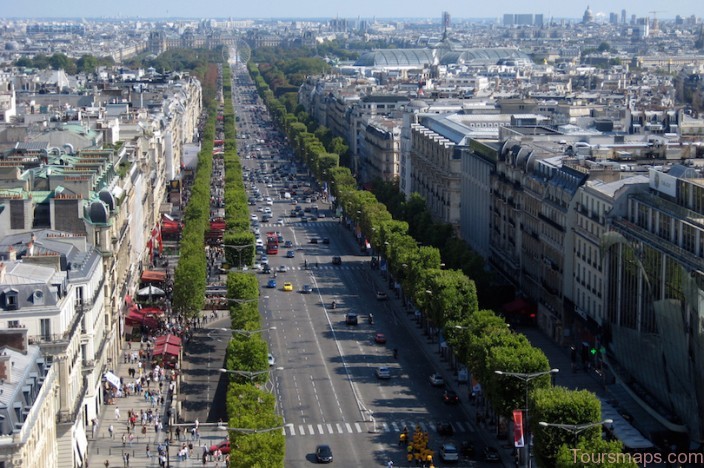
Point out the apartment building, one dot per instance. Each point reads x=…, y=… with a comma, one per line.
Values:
x=28, y=402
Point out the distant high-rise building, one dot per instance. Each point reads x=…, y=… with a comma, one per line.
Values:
x=679, y=20
x=623, y=16
x=633, y=19
x=538, y=20
x=525, y=19
x=508, y=19
x=613, y=18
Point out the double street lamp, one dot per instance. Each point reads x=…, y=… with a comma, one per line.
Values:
x=527, y=378
x=576, y=429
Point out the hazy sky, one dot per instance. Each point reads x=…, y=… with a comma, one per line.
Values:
x=332, y=8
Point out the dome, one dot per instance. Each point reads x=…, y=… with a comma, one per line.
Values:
x=107, y=198
x=99, y=212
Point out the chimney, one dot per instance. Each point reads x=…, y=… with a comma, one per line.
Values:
x=11, y=254
x=15, y=338
x=30, y=248
x=2, y=272
x=5, y=371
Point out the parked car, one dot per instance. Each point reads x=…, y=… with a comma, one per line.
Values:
x=436, y=380
x=383, y=372
x=449, y=452
x=323, y=454
x=450, y=397
x=223, y=446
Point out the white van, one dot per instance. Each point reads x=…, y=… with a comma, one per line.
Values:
x=287, y=195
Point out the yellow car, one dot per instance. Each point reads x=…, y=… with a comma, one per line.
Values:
x=288, y=286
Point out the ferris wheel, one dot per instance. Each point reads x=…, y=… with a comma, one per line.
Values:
x=242, y=52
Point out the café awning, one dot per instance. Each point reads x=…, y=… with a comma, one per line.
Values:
x=153, y=276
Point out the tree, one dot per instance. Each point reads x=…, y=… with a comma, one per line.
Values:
x=595, y=453
x=559, y=405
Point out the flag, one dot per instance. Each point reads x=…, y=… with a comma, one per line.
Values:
x=518, y=428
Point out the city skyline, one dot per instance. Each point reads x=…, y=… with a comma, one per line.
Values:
x=362, y=8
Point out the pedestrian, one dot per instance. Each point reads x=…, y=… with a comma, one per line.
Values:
x=107, y=463
x=111, y=430
x=124, y=440
x=126, y=459
x=117, y=413
x=149, y=453
x=178, y=433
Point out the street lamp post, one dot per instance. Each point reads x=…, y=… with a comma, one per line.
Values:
x=575, y=429
x=527, y=378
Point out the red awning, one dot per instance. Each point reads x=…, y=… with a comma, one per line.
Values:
x=155, y=311
x=168, y=339
x=153, y=276
x=518, y=306
x=134, y=317
x=150, y=322
x=167, y=348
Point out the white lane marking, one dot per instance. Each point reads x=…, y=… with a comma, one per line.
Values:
x=339, y=428
x=320, y=429
x=349, y=428
x=301, y=429
x=396, y=429
x=358, y=427
x=311, y=429
x=330, y=430
x=292, y=429
x=386, y=427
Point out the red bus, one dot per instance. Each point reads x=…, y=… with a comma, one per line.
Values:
x=272, y=243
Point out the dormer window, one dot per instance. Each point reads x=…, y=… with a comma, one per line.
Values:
x=11, y=297
x=38, y=297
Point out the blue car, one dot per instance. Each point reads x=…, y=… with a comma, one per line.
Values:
x=271, y=283
x=290, y=254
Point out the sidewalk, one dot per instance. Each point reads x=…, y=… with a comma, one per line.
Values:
x=106, y=447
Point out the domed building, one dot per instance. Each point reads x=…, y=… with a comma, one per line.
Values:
x=588, y=17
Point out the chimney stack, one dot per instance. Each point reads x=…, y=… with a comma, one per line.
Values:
x=2, y=272
x=5, y=371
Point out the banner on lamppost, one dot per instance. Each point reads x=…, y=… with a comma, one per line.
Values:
x=518, y=428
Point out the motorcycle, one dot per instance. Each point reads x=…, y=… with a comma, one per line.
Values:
x=371, y=319
x=333, y=305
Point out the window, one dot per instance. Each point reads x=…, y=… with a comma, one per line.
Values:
x=45, y=329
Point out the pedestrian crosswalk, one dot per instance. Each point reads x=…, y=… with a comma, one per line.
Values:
x=314, y=429
x=312, y=267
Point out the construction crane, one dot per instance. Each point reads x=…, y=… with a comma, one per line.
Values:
x=655, y=17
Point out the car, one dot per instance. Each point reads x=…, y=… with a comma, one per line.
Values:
x=271, y=283
x=288, y=286
x=436, y=380
x=491, y=454
x=323, y=454
x=326, y=240
x=264, y=260
x=266, y=269
x=351, y=318
x=254, y=217
x=280, y=222
x=269, y=201
x=314, y=240
x=450, y=397
x=336, y=260
x=260, y=210
x=380, y=338
x=449, y=452
x=271, y=359
x=288, y=244
x=223, y=446
x=259, y=243
x=383, y=372
x=290, y=254
x=381, y=296
x=282, y=268
x=267, y=210
x=307, y=289
x=444, y=428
